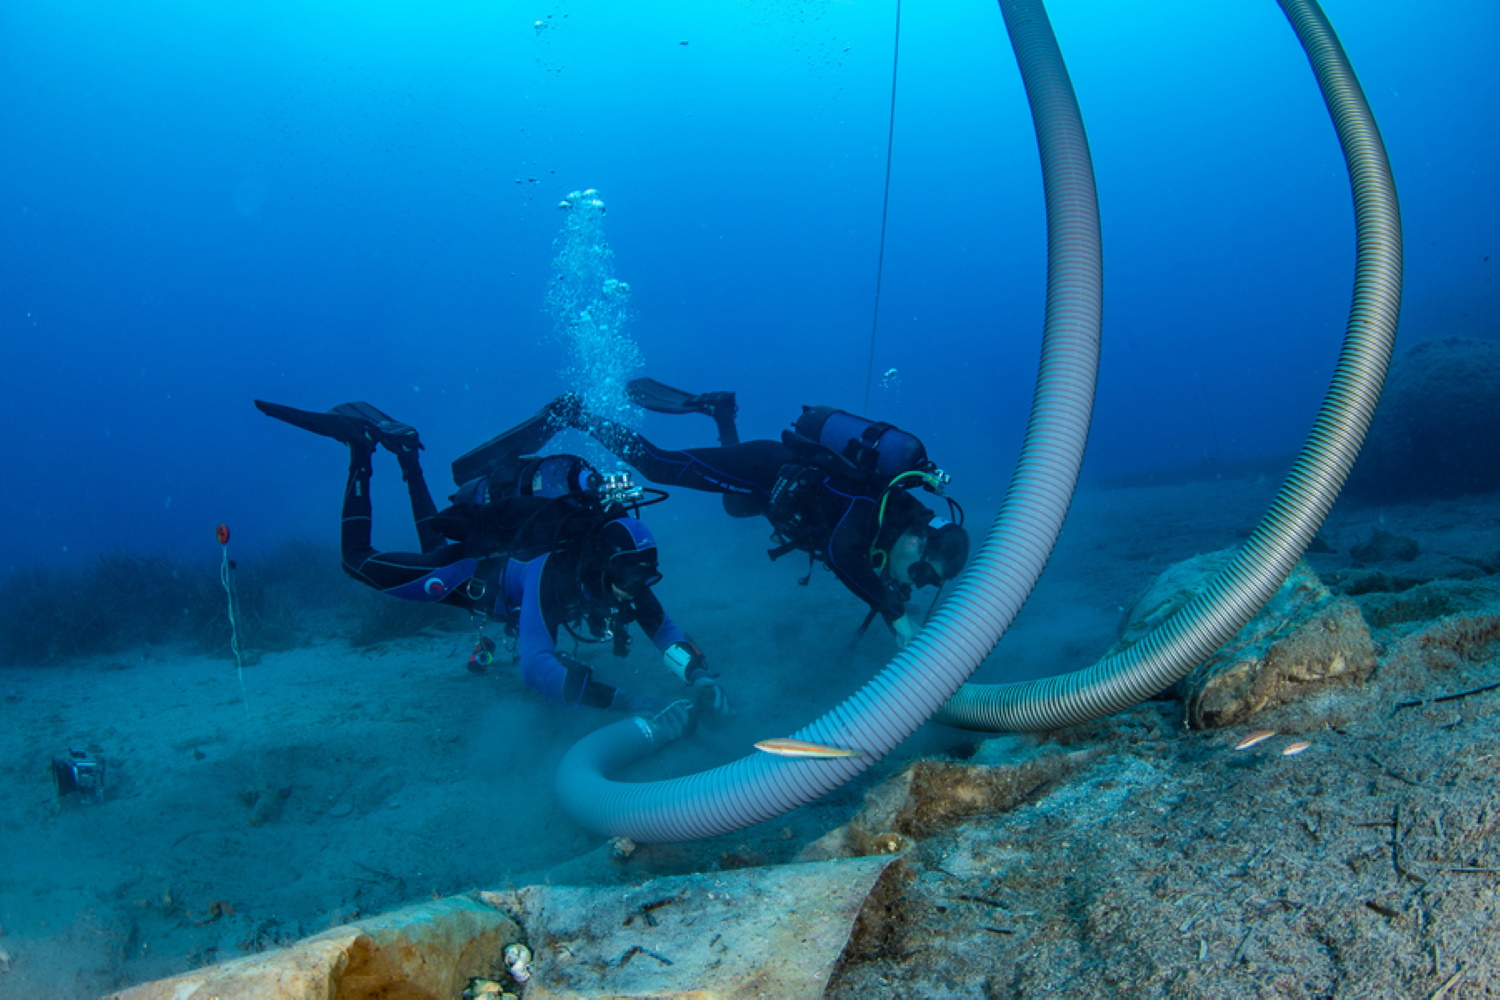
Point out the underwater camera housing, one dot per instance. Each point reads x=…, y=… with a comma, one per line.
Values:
x=553, y=476
x=80, y=771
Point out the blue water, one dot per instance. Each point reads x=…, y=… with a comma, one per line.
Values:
x=318, y=202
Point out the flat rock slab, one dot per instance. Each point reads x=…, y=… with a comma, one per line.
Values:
x=755, y=932
x=416, y=953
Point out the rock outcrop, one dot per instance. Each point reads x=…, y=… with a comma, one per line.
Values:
x=1437, y=431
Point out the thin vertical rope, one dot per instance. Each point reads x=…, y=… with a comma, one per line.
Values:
x=226, y=577
x=885, y=208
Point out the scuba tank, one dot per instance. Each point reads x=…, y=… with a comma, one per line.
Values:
x=880, y=458
x=885, y=459
x=526, y=506
x=553, y=477
x=536, y=503
x=867, y=448
x=537, y=476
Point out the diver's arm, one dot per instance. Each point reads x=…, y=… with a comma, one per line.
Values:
x=559, y=679
x=652, y=618
x=680, y=654
x=849, y=558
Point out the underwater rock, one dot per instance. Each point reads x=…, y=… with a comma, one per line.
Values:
x=751, y=933
x=1172, y=588
x=1305, y=640
x=430, y=950
x=762, y=932
x=1427, y=569
x=1444, y=646
x=264, y=802
x=1427, y=601
x=929, y=795
x=1384, y=546
x=1438, y=426
x=1357, y=582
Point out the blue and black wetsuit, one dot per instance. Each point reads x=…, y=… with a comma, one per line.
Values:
x=837, y=519
x=539, y=587
x=540, y=596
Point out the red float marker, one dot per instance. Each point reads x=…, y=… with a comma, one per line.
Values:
x=222, y=534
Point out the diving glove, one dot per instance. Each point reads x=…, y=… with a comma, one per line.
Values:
x=687, y=661
x=709, y=695
x=905, y=631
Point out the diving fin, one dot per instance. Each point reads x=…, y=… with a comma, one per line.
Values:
x=649, y=394
x=330, y=424
x=502, y=451
x=383, y=429
x=348, y=422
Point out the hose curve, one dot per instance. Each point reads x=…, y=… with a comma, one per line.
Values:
x=921, y=678
x=1312, y=486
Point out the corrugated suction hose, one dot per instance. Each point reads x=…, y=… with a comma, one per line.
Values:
x=1262, y=564
x=921, y=678
x=924, y=676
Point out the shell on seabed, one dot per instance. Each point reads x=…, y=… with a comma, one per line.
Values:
x=518, y=960
x=484, y=989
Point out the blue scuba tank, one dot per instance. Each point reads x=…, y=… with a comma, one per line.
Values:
x=540, y=476
x=870, y=447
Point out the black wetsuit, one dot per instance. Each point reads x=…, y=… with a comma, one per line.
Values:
x=536, y=587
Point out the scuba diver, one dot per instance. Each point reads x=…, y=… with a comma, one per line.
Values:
x=542, y=544
x=835, y=486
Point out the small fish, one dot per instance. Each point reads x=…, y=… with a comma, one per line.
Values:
x=1295, y=748
x=1259, y=736
x=801, y=748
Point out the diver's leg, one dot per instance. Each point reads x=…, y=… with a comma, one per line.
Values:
x=649, y=394
x=744, y=473
x=723, y=408
x=402, y=441
x=423, y=509
x=356, y=518
x=362, y=561
x=659, y=465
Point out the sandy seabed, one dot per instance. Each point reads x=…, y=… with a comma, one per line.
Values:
x=246, y=810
